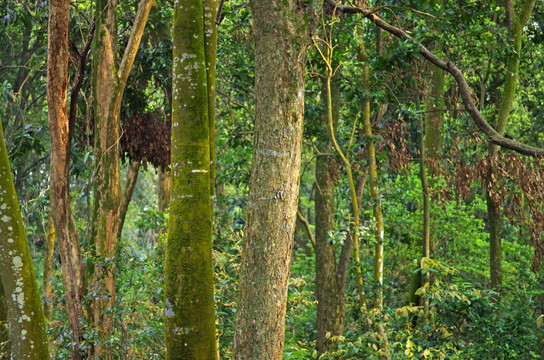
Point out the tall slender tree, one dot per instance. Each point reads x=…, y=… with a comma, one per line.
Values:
x=27, y=335
x=189, y=301
x=515, y=28
x=329, y=291
x=73, y=273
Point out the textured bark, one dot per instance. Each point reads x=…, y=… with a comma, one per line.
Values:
x=281, y=39
x=128, y=190
x=210, y=50
x=25, y=312
x=189, y=302
x=73, y=273
x=108, y=87
x=48, y=271
x=507, y=99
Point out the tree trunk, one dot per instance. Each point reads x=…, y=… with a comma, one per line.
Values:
x=281, y=39
x=377, y=207
x=431, y=149
x=73, y=273
x=507, y=99
x=108, y=87
x=25, y=312
x=128, y=190
x=426, y=235
x=329, y=293
x=48, y=271
x=189, y=301
x=434, y=117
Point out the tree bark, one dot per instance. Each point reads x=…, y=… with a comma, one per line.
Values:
x=281, y=39
x=108, y=87
x=73, y=273
x=189, y=301
x=329, y=293
x=25, y=312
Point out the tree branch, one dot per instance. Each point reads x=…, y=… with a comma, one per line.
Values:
x=134, y=41
x=74, y=92
x=448, y=66
x=307, y=227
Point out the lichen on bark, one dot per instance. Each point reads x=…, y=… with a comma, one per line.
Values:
x=189, y=301
x=281, y=39
x=25, y=313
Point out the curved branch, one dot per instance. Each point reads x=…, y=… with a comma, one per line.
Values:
x=477, y=118
x=134, y=41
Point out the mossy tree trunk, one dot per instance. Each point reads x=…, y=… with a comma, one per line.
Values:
x=73, y=273
x=109, y=82
x=329, y=290
x=281, y=39
x=507, y=99
x=189, y=301
x=27, y=334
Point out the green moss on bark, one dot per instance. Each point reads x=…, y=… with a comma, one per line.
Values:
x=189, y=302
x=25, y=313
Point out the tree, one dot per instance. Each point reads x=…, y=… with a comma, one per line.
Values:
x=108, y=86
x=73, y=271
x=515, y=23
x=281, y=37
x=27, y=335
x=329, y=278
x=189, y=300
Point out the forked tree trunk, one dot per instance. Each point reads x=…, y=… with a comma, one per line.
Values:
x=281, y=39
x=25, y=312
x=73, y=273
x=109, y=82
x=189, y=302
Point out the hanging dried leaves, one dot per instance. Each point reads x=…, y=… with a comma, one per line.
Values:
x=515, y=187
x=146, y=138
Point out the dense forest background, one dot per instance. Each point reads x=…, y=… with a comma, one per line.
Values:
x=415, y=235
